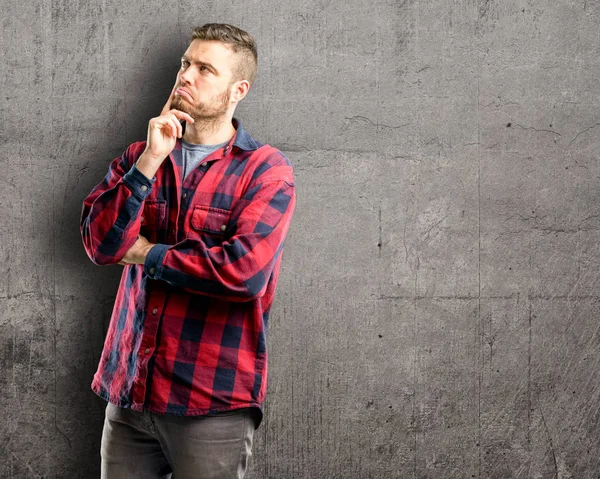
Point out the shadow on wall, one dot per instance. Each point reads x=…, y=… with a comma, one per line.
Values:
x=86, y=291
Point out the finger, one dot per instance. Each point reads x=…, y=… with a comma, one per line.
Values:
x=165, y=124
x=167, y=106
x=182, y=115
x=177, y=125
x=173, y=125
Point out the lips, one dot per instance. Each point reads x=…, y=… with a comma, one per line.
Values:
x=184, y=93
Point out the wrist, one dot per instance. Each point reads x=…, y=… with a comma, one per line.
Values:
x=146, y=251
x=148, y=165
x=146, y=156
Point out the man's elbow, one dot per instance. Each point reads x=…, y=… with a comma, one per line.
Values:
x=103, y=252
x=245, y=292
x=100, y=259
x=255, y=287
x=100, y=255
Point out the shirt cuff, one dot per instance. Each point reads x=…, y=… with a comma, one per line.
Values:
x=154, y=259
x=139, y=184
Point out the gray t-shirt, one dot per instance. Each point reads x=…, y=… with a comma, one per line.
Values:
x=193, y=154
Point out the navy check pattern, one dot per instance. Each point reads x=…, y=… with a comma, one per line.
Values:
x=187, y=334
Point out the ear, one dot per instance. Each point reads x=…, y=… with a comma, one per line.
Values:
x=239, y=90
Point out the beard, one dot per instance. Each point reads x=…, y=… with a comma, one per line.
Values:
x=204, y=112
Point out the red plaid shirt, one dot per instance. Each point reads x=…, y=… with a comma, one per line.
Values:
x=187, y=332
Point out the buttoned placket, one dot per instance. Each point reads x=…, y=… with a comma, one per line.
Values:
x=156, y=302
x=158, y=297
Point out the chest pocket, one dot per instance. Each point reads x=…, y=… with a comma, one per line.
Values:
x=208, y=219
x=153, y=220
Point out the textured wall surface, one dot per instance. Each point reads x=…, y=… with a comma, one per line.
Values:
x=437, y=313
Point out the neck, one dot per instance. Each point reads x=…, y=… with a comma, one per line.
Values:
x=208, y=131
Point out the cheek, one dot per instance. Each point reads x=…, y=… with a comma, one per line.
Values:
x=206, y=90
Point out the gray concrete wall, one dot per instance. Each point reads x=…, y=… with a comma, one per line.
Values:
x=437, y=314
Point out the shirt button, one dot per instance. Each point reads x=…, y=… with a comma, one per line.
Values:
x=144, y=187
x=147, y=350
x=223, y=227
x=142, y=218
x=184, y=195
x=154, y=310
x=151, y=270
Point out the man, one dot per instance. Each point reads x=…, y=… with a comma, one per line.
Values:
x=198, y=215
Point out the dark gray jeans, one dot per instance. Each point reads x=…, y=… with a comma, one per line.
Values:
x=149, y=445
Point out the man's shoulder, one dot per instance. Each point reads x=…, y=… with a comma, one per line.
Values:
x=268, y=163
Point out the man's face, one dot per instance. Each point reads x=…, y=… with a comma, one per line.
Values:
x=205, y=74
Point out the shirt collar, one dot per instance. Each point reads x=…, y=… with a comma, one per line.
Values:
x=241, y=138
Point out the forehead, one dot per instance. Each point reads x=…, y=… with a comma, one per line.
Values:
x=216, y=53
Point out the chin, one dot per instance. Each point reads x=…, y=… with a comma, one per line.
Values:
x=181, y=104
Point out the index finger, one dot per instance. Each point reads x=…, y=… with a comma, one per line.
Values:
x=167, y=106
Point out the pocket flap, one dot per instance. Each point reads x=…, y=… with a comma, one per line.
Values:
x=210, y=219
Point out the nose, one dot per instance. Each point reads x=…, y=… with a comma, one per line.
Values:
x=187, y=75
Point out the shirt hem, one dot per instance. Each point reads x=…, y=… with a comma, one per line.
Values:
x=189, y=412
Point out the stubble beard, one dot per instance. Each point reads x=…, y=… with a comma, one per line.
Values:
x=207, y=116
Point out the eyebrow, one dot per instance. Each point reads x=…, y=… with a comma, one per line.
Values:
x=185, y=57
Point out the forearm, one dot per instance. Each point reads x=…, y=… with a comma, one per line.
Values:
x=239, y=269
x=110, y=216
x=208, y=278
